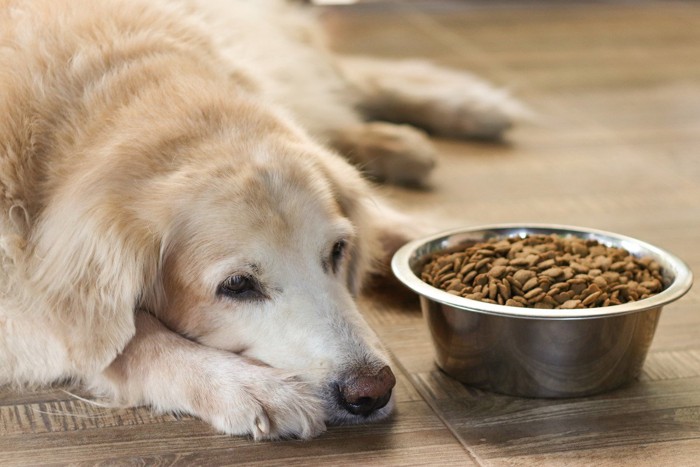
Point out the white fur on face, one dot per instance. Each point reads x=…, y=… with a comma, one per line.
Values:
x=277, y=227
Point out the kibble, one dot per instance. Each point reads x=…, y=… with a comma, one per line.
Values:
x=545, y=271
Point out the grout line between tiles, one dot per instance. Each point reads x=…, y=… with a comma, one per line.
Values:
x=472, y=455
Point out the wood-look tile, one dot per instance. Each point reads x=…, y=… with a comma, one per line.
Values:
x=569, y=46
x=498, y=426
x=673, y=453
x=672, y=364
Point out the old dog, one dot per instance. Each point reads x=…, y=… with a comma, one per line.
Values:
x=176, y=227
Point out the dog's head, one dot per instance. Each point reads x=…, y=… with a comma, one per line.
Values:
x=263, y=255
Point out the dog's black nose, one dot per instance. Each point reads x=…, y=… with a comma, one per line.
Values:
x=362, y=394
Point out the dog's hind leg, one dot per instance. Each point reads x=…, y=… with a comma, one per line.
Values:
x=442, y=101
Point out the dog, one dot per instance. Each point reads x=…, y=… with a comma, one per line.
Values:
x=177, y=227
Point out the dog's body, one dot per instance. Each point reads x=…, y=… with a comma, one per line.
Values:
x=169, y=235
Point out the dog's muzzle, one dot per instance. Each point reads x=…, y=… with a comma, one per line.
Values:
x=364, y=394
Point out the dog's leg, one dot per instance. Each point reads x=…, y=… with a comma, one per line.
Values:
x=31, y=352
x=388, y=152
x=170, y=373
x=443, y=101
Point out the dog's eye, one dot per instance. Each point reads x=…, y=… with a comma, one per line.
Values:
x=337, y=254
x=240, y=287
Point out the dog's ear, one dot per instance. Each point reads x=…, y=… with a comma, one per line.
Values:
x=354, y=196
x=381, y=229
x=365, y=249
x=88, y=269
x=153, y=297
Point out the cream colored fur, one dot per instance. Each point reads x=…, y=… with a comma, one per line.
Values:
x=151, y=151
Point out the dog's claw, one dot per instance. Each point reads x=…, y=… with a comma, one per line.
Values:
x=262, y=423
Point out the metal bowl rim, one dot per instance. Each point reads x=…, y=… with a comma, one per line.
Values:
x=400, y=266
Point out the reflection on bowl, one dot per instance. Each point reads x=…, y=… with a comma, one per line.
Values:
x=539, y=352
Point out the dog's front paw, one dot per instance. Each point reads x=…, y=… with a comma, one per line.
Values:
x=262, y=402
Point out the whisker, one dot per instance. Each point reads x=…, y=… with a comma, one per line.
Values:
x=87, y=401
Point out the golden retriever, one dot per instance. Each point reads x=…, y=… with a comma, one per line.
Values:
x=171, y=232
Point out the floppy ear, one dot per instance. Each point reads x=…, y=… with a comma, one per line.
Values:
x=89, y=265
x=352, y=194
x=153, y=298
x=366, y=247
x=381, y=229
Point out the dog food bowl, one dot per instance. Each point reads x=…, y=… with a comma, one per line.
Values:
x=539, y=352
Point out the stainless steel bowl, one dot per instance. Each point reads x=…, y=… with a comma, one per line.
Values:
x=533, y=352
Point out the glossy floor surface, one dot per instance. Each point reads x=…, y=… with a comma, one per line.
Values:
x=617, y=147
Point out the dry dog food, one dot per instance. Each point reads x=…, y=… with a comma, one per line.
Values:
x=545, y=271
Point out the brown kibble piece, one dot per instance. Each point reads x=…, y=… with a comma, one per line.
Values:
x=497, y=272
x=493, y=290
x=481, y=279
x=591, y=298
x=570, y=304
x=600, y=281
x=469, y=277
x=523, y=275
x=533, y=293
x=532, y=282
x=553, y=272
x=467, y=268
